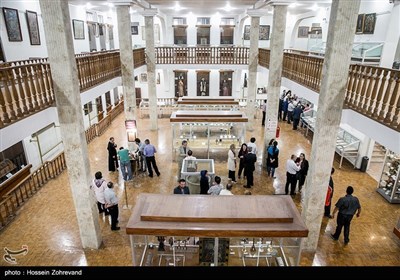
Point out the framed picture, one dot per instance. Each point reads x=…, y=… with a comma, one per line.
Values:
x=33, y=27
x=79, y=30
x=264, y=32
x=13, y=26
x=360, y=23
x=246, y=34
x=143, y=78
x=303, y=32
x=369, y=23
x=134, y=30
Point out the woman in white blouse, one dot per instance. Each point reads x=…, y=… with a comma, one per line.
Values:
x=232, y=163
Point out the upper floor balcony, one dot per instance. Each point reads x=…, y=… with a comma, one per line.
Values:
x=26, y=86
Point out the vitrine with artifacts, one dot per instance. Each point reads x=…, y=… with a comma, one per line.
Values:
x=203, y=230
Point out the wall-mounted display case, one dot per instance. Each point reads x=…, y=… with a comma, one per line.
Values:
x=389, y=183
x=208, y=131
x=204, y=230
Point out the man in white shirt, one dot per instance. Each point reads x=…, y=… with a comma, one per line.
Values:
x=191, y=164
x=292, y=167
x=252, y=144
x=226, y=191
x=112, y=205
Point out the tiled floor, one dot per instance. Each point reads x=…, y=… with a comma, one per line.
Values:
x=47, y=222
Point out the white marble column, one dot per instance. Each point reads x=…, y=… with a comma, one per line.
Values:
x=342, y=26
x=275, y=74
x=151, y=65
x=253, y=64
x=127, y=64
x=57, y=26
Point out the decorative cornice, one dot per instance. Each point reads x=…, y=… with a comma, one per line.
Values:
x=279, y=2
x=149, y=12
x=257, y=12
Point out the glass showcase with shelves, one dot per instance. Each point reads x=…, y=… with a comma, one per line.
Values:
x=203, y=230
x=209, y=133
x=389, y=183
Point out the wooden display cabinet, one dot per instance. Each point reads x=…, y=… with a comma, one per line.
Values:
x=178, y=230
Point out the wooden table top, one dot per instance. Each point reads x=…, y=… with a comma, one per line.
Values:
x=208, y=116
x=216, y=216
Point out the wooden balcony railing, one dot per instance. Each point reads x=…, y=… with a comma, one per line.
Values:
x=26, y=86
x=371, y=91
x=98, y=129
x=16, y=197
x=202, y=55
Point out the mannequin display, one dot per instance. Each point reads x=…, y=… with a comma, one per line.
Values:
x=203, y=87
x=181, y=88
x=225, y=88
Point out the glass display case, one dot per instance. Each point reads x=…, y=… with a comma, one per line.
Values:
x=191, y=172
x=208, y=132
x=199, y=251
x=204, y=230
x=389, y=183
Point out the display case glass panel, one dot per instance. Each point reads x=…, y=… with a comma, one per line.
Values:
x=205, y=230
x=389, y=183
x=209, y=133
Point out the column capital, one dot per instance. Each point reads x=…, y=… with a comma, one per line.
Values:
x=121, y=2
x=257, y=12
x=149, y=12
x=279, y=2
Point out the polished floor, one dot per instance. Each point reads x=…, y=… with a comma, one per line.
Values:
x=47, y=223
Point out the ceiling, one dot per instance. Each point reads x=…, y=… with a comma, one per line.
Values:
x=206, y=7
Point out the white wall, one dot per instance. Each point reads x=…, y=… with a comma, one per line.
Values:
x=382, y=10
x=20, y=130
x=22, y=50
x=264, y=20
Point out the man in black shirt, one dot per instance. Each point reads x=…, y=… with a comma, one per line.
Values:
x=347, y=207
x=182, y=188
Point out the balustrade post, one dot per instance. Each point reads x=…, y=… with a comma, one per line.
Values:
x=8, y=97
x=396, y=117
x=371, y=80
x=3, y=109
x=394, y=77
x=21, y=89
x=379, y=97
x=374, y=102
x=14, y=91
x=385, y=111
x=37, y=89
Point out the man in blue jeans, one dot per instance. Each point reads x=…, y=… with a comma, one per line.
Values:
x=125, y=163
x=347, y=207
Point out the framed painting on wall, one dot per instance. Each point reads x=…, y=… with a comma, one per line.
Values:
x=13, y=25
x=360, y=23
x=78, y=27
x=303, y=32
x=33, y=27
x=369, y=23
x=264, y=32
x=143, y=78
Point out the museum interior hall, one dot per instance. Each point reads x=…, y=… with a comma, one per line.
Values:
x=277, y=120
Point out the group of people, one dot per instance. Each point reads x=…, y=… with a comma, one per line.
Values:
x=145, y=154
x=215, y=189
x=107, y=201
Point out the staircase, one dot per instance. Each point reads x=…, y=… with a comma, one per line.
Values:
x=378, y=154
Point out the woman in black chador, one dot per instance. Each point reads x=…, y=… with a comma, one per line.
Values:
x=112, y=155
